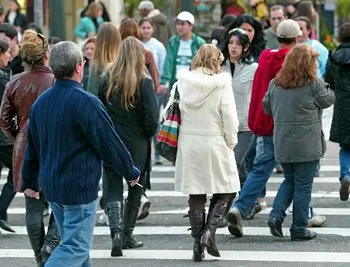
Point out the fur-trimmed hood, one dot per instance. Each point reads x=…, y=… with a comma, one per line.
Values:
x=196, y=86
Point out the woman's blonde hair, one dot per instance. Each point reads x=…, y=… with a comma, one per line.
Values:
x=126, y=71
x=33, y=48
x=299, y=67
x=107, y=46
x=93, y=10
x=209, y=57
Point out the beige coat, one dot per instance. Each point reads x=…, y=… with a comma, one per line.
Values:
x=205, y=162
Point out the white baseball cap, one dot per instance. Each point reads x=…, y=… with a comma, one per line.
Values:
x=146, y=5
x=288, y=29
x=186, y=16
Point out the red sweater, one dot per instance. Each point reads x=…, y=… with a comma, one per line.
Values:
x=270, y=62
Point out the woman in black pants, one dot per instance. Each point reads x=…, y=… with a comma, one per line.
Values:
x=129, y=97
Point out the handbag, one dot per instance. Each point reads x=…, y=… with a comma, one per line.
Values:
x=169, y=131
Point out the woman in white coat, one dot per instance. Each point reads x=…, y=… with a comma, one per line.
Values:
x=205, y=163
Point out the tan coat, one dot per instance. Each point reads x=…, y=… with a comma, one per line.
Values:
x=205, y=162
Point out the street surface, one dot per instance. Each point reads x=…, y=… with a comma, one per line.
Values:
x=168, y=243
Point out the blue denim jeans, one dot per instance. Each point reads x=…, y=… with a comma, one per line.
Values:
x=344, y=161
x=75, y=224
x=296, y=187
x=264, y=163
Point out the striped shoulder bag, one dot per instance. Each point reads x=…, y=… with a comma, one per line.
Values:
x=169, y=130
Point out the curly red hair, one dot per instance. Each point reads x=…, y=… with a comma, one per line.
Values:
x=299, y=67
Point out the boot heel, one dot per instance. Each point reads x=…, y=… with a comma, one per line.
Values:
x=198, y=253
x=117, y=246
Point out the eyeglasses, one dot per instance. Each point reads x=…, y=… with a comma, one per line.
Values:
x=42, y=38
x=238, y=30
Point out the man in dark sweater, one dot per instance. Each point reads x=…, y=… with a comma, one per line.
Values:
x=69, y=136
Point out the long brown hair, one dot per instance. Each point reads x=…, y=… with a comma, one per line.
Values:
x=128, y=27
x=299, y=67
x=126, y=71
x=107, y=46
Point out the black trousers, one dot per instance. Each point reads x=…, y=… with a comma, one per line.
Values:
x=113, y=187
x=7, y=193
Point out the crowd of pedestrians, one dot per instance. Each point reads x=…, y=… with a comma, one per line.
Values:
x=251, y=101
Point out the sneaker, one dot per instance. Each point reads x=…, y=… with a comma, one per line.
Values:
x=234, y=219
x=103, y=219
x=316, y=221
x=279, y=169
x=255, y=210
x=262, y=202
x=275, y=227
x=307, y=235
x=344, y=188
x=144, y=208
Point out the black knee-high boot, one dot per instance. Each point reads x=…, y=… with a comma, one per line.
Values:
x=197, y=221
x=131, y=211
x=223, y=221
x=52, y=239
x=114, y=210
x=216, y=208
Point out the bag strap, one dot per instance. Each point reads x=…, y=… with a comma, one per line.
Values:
x=177, y=95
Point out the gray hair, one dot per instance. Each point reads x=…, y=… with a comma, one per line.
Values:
x=64, y=56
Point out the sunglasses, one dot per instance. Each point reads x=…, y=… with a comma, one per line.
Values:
x=238, y=30
x=42, y=38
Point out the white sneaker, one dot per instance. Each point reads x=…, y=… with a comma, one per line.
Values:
x=317, y=221
x=263, y=203
x=144, y=208
x=103, y=219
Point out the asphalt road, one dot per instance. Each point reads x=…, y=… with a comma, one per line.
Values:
x=168, y=243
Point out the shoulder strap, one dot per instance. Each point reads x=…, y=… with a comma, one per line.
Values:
x=177, y=95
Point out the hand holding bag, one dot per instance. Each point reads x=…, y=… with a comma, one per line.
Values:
x=169, y=130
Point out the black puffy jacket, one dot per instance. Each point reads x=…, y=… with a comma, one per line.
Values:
x=338, y=76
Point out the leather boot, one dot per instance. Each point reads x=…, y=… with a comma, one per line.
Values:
x=114, y=210
x=197, y=221
x=130, y=216
x=216, y=209
x=51, y=241
x=223, y=221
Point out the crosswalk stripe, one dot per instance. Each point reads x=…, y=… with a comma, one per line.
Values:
x=182, y=230
x=321, y=211
x=272, y=180
x=172, y=168
x=161, y=193
x=226, y=255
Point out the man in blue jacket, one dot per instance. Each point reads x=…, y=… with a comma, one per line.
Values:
x=69, y=136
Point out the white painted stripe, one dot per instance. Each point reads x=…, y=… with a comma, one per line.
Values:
x=321, y=211
x=272, y=180
x=226, y=255
x=172, y=168
x=182, y=230
x=160, y=193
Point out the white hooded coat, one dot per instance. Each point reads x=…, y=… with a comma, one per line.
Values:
x=205, y=162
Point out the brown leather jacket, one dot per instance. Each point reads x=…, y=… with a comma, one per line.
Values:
x=20, y=93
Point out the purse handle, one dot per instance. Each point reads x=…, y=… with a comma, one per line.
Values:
x=176, y=95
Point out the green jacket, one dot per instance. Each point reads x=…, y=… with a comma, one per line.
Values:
x=169, y=71
x=85, y=26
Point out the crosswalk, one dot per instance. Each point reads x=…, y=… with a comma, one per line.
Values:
x=167, y=241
